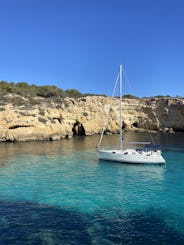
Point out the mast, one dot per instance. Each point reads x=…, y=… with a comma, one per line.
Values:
x=121, y=121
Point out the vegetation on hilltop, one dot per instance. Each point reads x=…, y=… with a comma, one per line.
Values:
x=129, y=96
x=24, y=94
x=25, y=90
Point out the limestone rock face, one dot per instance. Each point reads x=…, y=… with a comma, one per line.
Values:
x=87, y=116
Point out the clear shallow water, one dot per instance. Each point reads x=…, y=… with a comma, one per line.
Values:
x=59, y=193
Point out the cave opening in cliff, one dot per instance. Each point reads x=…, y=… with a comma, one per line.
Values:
x=135, y=125
x=124, y=125
x=78, y=129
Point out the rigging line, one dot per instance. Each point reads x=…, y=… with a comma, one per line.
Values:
x=124, y=138
x=128, y=81
x=105, y=123
x=149, y=135
x=146, y=127
x=146, y=130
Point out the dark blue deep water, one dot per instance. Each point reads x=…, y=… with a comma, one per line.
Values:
x=60, y=193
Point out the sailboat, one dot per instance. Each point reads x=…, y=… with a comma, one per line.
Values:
x=148, y=154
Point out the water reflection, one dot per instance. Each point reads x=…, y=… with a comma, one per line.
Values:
x=84, y=143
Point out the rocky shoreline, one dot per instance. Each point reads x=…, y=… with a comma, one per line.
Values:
x=86, y=116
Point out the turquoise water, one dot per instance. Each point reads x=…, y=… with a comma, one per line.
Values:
x=60, y=193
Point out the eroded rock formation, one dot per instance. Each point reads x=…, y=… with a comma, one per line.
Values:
x=87, y=115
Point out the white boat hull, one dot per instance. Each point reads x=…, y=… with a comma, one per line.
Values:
x=131, y=156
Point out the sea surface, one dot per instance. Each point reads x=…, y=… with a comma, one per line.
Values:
x=60, y=193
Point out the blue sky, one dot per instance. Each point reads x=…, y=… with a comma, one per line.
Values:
x=80, y=44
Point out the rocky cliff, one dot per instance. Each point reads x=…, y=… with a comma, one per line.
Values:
x=86, y=116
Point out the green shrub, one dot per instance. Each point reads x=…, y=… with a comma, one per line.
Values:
x=130, y=96
x=73, y=93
